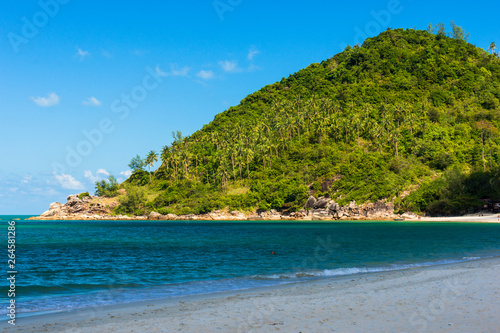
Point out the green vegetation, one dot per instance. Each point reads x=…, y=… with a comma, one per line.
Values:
x=133, y=202
x=408, y=112
x=107, y=188
x=137, y=164
x=83, y=195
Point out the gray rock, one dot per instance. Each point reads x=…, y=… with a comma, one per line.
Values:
x=310, y=202
x=73, y=197
x=156, y=216
x=321, y=203
x=333, y=207
x=55, y=205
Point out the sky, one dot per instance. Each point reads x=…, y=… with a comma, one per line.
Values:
x=87, y=85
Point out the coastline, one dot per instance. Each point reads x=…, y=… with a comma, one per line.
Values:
x=454, y=297
x=474, y=218
x=91, y=208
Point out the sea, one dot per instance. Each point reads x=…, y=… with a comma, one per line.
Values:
x=71, y=265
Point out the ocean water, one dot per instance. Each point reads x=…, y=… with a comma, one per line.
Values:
x=65, y=265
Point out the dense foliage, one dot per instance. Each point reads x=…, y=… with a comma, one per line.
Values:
x=107, y=188
x=406, y=112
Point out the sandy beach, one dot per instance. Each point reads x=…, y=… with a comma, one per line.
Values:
x=462, y=297
x=485, y=218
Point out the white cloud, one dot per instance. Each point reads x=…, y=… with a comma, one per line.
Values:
x=51, y=100
x=127, y=173
x=205, y=75
x=99, y=175
x=82, y=54
x=174, y=71
x=252, y=53
x=68, y=182
x=26, y=179
x=88, y=174
x=91, y=101
x=229, y=66
x=159, y=72
x=102, y=172
x=184, y=71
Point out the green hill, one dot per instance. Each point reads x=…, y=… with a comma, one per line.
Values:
x=407, y=112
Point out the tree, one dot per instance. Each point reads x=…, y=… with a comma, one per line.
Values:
x=441, y=29
x=107, y=188
x=165, y=156
x=177, y=135
x=431, y=29
x=136, y=163
x=459, y=32
x=492, y=47
x=134, y=199
x=150, y=160
x=488, y=130
x=369, y=106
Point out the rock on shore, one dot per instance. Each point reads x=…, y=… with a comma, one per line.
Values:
x=95, y=208
x=84, y=208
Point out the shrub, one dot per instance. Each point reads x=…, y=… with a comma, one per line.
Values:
x=134, y=200
x=83, y=195
x=107, y=188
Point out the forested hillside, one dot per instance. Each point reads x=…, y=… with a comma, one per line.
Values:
x=409, y=116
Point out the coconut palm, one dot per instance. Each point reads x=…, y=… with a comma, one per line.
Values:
x=150, y=160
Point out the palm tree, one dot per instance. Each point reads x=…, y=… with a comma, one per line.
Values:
x=165, y=155
x=150, y=160
x=492, y=47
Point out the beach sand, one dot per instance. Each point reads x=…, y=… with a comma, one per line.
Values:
x=486, y=218
x=462, y=297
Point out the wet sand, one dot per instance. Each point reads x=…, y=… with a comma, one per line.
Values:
x=462, y=297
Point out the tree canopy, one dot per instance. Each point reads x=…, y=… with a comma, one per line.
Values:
x=399, y=118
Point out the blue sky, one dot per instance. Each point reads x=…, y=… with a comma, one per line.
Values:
x=87, y=85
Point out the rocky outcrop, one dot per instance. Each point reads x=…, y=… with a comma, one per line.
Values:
x=326, y=208
x=310, y=202
x=322, y=208
x=76, y=208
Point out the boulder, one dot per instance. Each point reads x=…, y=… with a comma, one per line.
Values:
x=156, y=216
x=73, y=197
x=55, y=209
x=55, y=205
x=321, y=203
x=236, y=215
x=333, y=207
x=310, y=202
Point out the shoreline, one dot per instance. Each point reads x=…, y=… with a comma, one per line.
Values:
x=487, y=218
x=408, y=296
x=90, y=208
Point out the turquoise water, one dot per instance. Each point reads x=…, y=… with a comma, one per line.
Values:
x=71, y=264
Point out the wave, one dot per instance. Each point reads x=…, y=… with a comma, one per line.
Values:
x=358, y=270
x=95, y=296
